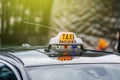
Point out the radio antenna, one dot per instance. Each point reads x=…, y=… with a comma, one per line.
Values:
x=53, y=28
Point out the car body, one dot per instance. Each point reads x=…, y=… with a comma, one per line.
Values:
x=58, y=62
x=32, y=65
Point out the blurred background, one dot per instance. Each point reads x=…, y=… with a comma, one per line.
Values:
x=21, y=21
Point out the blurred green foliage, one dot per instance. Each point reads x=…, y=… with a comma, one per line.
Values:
x=13, y=15
x=89, y=19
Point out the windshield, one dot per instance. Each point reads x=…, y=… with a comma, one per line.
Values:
x=75, y=72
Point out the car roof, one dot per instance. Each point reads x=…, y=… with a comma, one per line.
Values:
x=38, y=57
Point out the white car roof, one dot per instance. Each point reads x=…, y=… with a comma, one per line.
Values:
x=33, y=57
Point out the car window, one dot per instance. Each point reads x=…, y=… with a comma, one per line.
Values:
x=76, y=72
x=6, y=73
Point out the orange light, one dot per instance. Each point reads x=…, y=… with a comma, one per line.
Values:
x=65, y=46
x=65, y=53
x=65, y=58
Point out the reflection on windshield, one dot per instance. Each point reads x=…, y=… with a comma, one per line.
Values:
x=76, y=72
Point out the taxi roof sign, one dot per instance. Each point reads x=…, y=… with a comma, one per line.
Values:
x=65, y=38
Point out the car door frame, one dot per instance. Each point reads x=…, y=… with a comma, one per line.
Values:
x=14, y=64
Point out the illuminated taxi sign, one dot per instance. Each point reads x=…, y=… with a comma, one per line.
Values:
x=66, y=38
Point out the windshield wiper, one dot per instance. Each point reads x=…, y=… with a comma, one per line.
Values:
x=80, y=53
x=96, y=53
